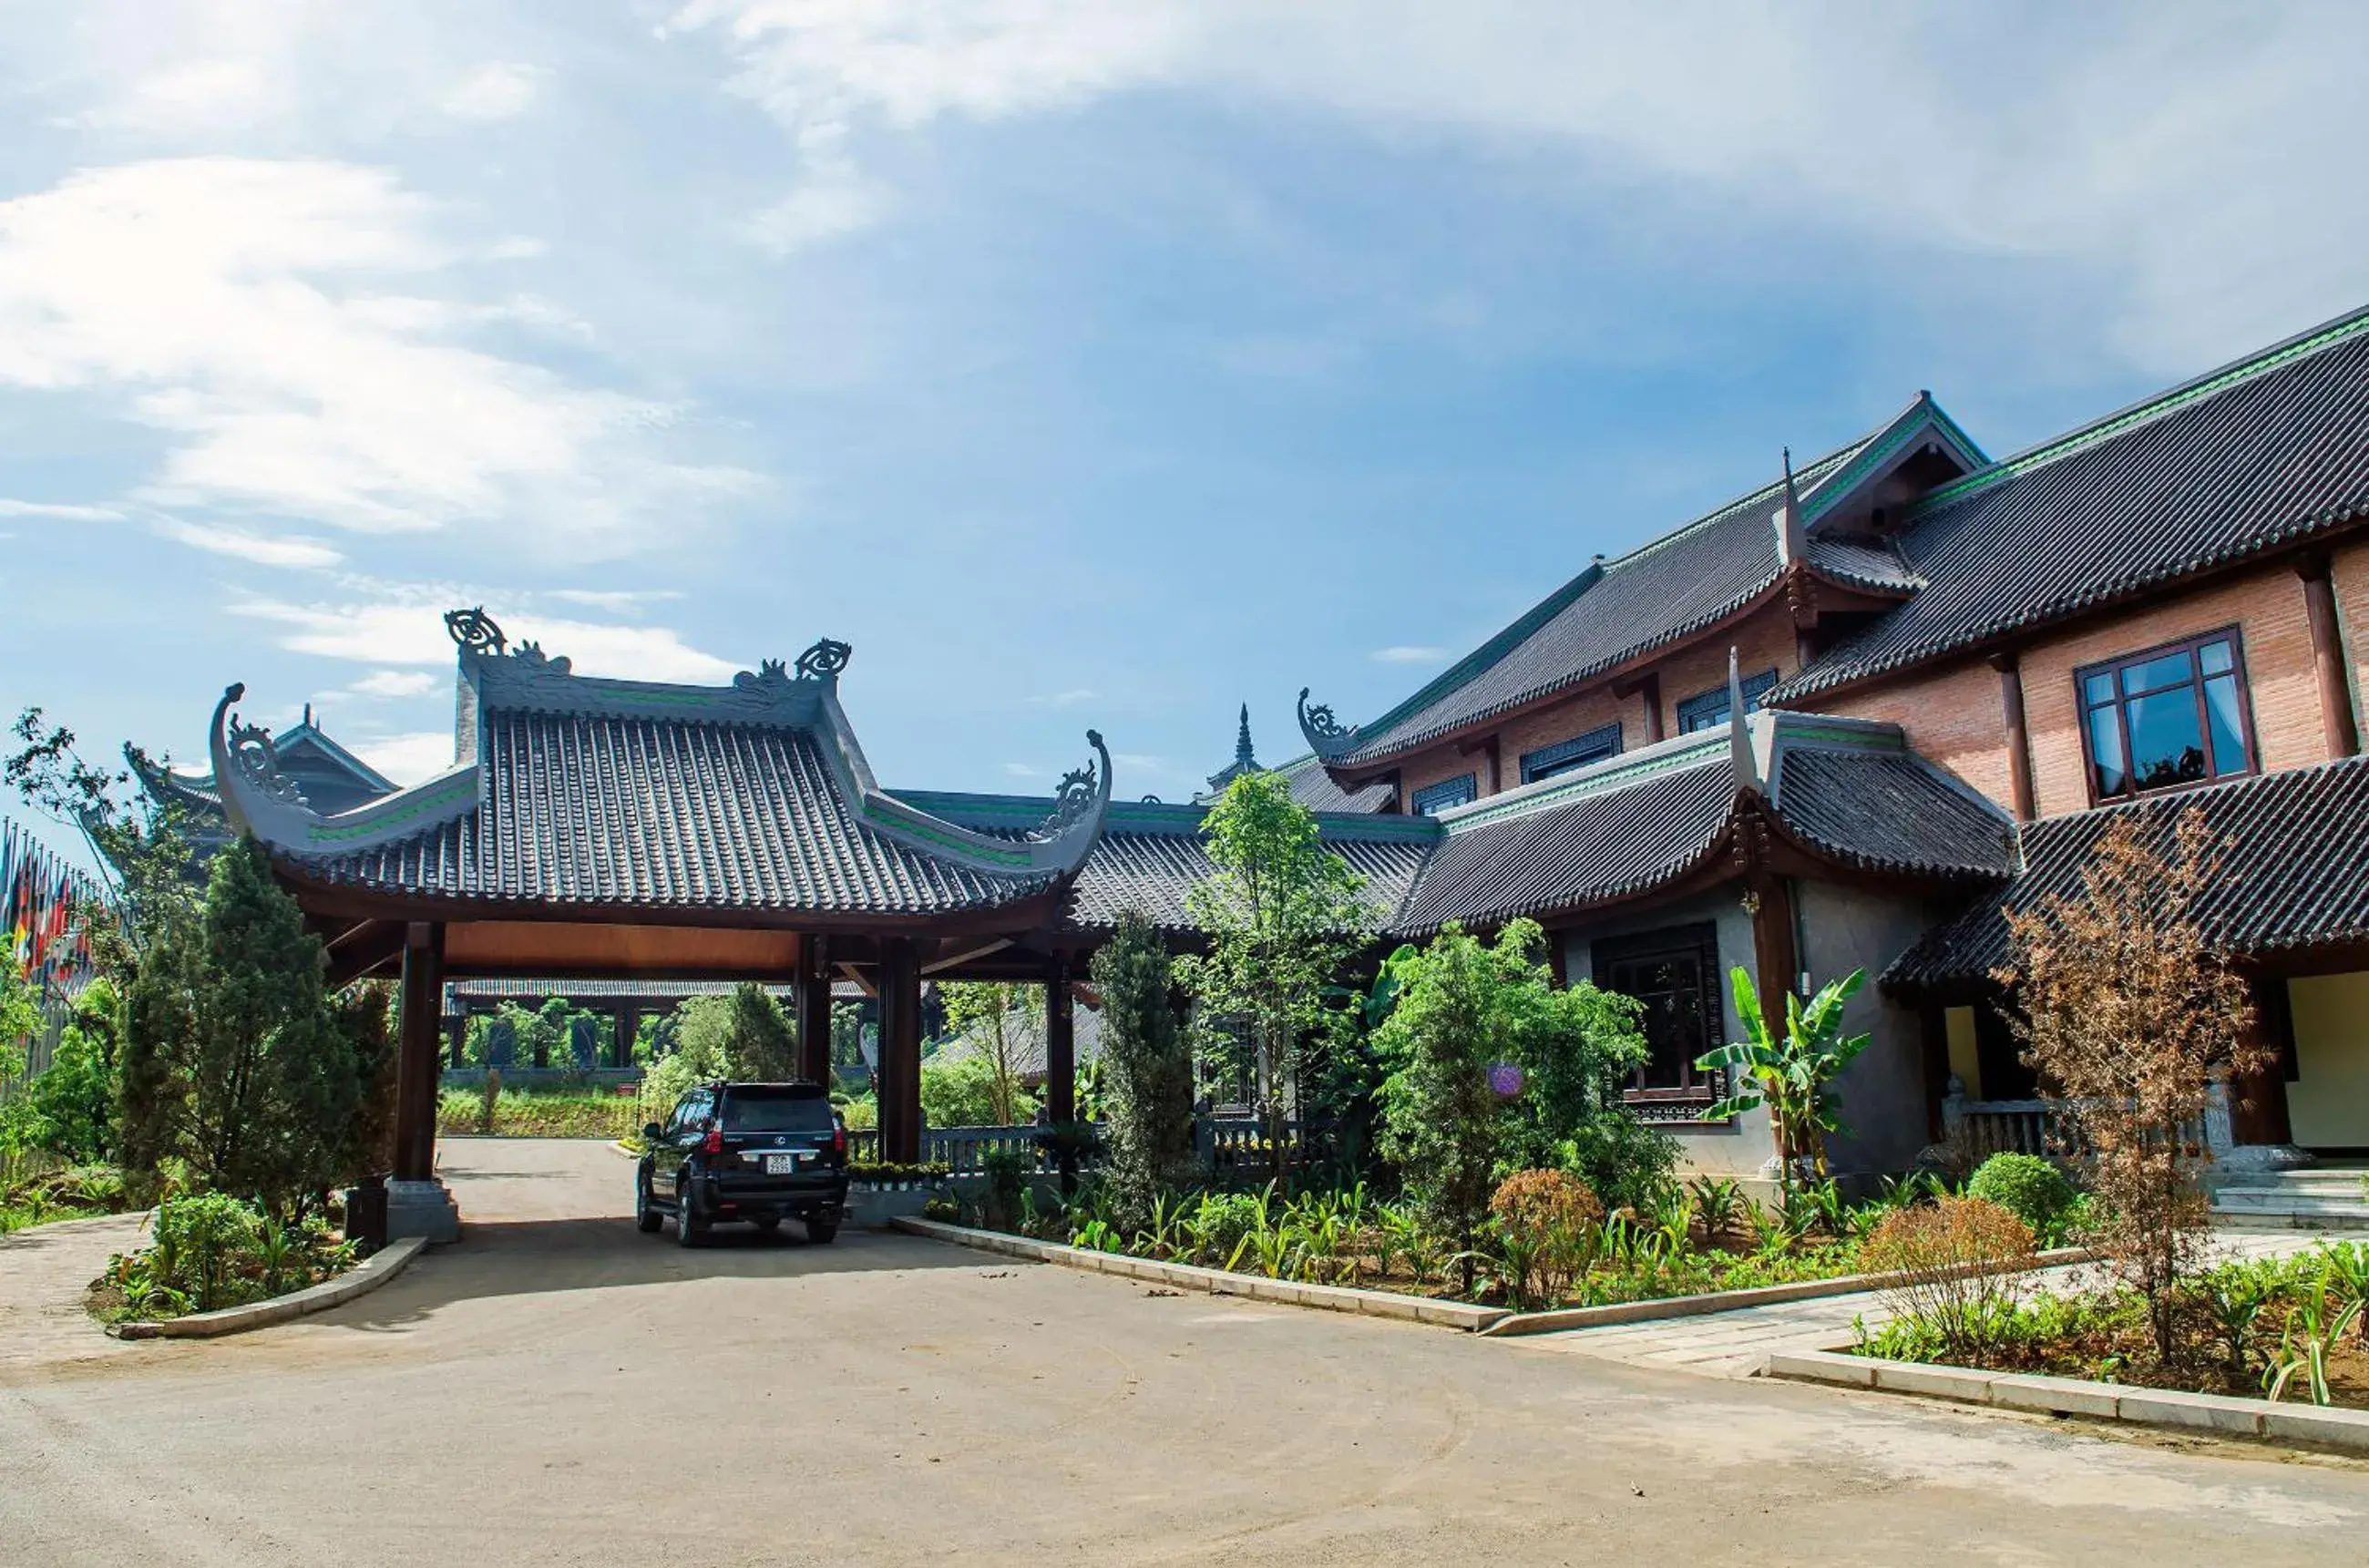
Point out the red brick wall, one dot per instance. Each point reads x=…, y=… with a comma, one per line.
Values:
x=1952, y=715
x=1763, y=642
x=2351, y=572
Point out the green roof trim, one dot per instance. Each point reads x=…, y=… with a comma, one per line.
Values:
x=1912, y=422
x=2209, y=384
x=461, y=787
x=1488, y=653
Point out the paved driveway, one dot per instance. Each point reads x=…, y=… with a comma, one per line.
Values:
x=557, y=1388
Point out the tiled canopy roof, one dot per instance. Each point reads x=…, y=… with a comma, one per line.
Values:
x=1853, y=794
x=570, y=791
x=1314, y=788
x=2294, y=846
x=1679, y=584
x=2268, y=450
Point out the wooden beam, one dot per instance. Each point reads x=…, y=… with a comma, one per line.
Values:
x=2336, y=722
x=1774, y=955
x=548, y=949
x=901, y=1051
x=1060, y=1044
x=417, y=1024
x=2018, y=733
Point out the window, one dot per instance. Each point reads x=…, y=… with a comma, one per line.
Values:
x=1432, y=799
x=772, y=1109
x=2169, y=716
x=1576, y=752
x=1705, y=709
x=1676, y=974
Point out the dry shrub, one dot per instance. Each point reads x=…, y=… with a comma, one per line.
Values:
x=2129, y=1018
x=1546, y=1223
x=1957, y=1261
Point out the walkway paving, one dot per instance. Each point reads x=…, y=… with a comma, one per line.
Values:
x=1737, y=1344
x=43, y=1272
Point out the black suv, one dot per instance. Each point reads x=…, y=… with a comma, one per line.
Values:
x=762, y=1152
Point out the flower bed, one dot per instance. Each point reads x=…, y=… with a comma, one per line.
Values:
x=2290, y=1328
x=212, y=1251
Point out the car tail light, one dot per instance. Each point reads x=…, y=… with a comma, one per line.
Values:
x=839, y=1140
x=715, y=1143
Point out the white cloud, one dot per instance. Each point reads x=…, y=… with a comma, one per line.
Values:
x=1067, y=699
x=2164, y=150
x=409, y=630
x=622, y=601
x=195, y=97
x=59, y=511
x=1408, y=654
x=494, y=91
x=407, y=759
x=395, y=684
x=830, y=203
x=265, y=550
x=242, y=307
x=1024, y=771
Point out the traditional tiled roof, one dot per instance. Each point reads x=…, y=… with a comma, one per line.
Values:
x=1678, y=585
x=1847, y=792
x=2269, y=450
x=2293, y=846
x=1314, y=788
x=573, y=791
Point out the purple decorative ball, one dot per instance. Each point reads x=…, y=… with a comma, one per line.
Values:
x=1506, y=1078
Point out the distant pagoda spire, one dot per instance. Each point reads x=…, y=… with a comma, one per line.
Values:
x=1245, y=758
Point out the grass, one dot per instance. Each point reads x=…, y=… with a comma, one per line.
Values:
x=71, y=1193
x=542, y=1116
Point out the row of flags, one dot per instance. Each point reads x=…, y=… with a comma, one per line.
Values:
x=45, y=904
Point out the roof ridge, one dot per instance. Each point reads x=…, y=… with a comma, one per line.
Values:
x=1522, y=627
x=2148, y=409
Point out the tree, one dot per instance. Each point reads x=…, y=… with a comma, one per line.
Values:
x=234, y=1058
x=69, y=1109
x=1147, y=1065
x=144, y=846
x=1283, y=914
x=1794, y=1073
x=366, y=1017
x=2129, y=1018
x=1004, y=1021
x=962, y=1093
x=1493, y=1066
x=744, y=1036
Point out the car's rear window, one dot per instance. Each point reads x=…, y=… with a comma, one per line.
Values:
x=760, y=1110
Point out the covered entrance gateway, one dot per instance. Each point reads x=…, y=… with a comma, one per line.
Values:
x=627, y=828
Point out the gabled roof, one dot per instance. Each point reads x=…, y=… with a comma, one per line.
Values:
x=304, y=751
x=2271, y=449
x=1842, y=791
x=573, y=790
x=1683, y=583
x=2291, y=878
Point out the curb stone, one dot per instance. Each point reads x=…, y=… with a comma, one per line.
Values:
x=1215, y=1281
x=360, y=1280
x=2322, y=1426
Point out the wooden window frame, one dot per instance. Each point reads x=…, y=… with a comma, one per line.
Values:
x=2234, y=633
x=1593, y=746
x=1422, y=799
x=1766, y=681
x=1685, y=1100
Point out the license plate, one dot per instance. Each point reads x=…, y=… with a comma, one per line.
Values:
x=782, y=1164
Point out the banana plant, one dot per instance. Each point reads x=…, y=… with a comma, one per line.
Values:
x=1791, y=1073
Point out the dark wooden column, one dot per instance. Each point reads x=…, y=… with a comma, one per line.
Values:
x=1649, y=686
x=1060, y=1044
x=457, y=1025
x=2335, y=716
x=814, y=1010
x=900, y=1051
x=2019, y=735
x=416, y=1022
x=621, y=1044
x=1774, y=955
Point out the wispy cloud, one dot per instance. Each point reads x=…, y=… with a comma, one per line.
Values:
x=1407, y=653
x=291, y=550
x=395, y=683
x=407, y=759
x=59, y=511
x=1069, y=699
x=618, y=600
x=497, y=90
x=1024, y=771
x=409, y=629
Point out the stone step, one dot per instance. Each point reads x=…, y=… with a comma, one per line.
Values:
x=2291, y=1191
x=2269, y=1220
x=2268, y=1197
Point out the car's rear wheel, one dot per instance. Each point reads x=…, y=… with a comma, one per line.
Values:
x=821, y=1231
x=645, y=1218
x=689, y=1229
x=768, y=1223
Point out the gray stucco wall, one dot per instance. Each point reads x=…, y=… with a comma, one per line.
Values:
x=1839, y=930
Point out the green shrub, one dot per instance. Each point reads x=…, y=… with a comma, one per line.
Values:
x=2026, y=1186
x=199, y=1240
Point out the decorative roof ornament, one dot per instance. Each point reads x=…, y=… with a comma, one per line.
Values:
x=531, y=653
x=1079, y=795
x=824, y=661
x=251, y=753
x=1739, y=731
x=474, y=630
x=1325, y=733
x=772, y=679
x=1792, y=537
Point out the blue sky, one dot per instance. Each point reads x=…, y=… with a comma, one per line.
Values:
x=1079, y=363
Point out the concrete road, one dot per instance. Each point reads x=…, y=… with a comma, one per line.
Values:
x=557, y=1388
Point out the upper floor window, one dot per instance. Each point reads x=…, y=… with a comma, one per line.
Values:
x=1432, y=799
x=2172, y=716
x=1577, y=752
x=1705, y=710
